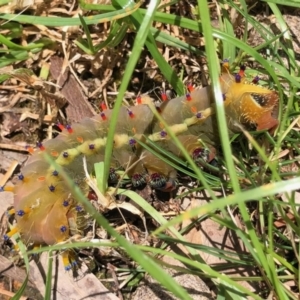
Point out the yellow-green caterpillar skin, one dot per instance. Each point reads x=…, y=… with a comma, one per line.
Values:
x=43, y=202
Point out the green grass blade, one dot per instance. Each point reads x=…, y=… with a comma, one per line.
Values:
x=61, y=21
x=88, y=35
x=294, y=3
x=48, y=285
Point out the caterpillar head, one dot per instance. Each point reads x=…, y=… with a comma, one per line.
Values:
x=249, y=104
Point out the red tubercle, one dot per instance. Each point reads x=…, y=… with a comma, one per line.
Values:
x=130, y=113
x=242, y=71
x=188, y=97
x=139, y=100
x=164, y=96
x=103, y=106
x=103, y=116
x=41, y=178
x=29, y=149
x=190, y=87
x=102, y=113
x=69, y=128
x=60, y=126
x=54, y=153
x=194, y=109
x=40, y=146
x=79, y=139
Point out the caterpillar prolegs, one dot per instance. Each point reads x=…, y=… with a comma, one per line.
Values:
x=43, y=204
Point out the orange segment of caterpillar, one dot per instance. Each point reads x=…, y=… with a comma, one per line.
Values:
x=43, y=203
